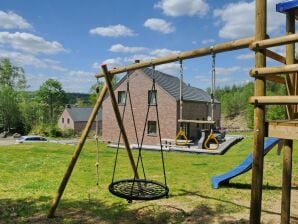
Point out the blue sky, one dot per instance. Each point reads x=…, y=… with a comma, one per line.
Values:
x=69, y=40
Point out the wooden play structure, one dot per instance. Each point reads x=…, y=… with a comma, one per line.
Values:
x=284, y=74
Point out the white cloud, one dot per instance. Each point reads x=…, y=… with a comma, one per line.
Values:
x=207, y=41
x=22, y=60
x=113, y=31
x=124, y=49
x=163, y=52
x=112, y=62
x=72, y=80
x=141, y=57
x=238, y=19
x=170, y=68
x=159, y=25
x=10, y=20
x=182, y=8
x=246, y=56
x=35, y=81
x=30, y=43
x=228, y=70
x=77, y=81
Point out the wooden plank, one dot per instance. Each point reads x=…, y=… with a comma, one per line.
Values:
x=284, y=130
x=196, y=121
x=217, y=48
x=275, y=78
x=77, y=152
x=275, y=56
x=272, y=42
x=273, y=100
x=274, y=70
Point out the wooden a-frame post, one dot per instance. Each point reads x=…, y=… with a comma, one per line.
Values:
x=77, y=152
x=80, y=145
x=107, y=76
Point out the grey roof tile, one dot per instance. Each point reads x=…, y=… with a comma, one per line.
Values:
x=171, y=84
x=81, y=114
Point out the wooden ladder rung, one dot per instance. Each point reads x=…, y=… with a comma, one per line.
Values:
x=273, y=100
x=277, y=70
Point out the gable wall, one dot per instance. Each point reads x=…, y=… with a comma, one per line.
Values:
x=139, y=86
x=65, y=125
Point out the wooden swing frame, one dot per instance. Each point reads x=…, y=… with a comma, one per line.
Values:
x=258, y=43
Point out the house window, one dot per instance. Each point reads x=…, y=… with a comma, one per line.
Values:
x=121, y=97
x=151, y=128
x=63, y=120
x=68, y=120
x=152, y=97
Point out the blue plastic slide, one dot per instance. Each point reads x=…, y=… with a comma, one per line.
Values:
x=243, y=167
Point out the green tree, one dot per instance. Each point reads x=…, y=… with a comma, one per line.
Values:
x=98, y=87
x=31, y=111
x=12, y=83
x=52, y=99
x=12, y=76
x=9, y=110
x=93, y=92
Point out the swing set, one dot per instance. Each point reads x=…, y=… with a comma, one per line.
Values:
x=181, y=138
x=145, y=189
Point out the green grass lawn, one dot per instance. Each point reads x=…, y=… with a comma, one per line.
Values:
x=31, y=173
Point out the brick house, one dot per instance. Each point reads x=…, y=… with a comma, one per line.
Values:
x=196, y=106
x=75, y=118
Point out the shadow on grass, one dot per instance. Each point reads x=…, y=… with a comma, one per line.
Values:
x=35, y=210
x=185, y=193
x=248, y=186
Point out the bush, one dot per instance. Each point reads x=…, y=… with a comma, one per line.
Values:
x=68, y=133
x=54, y=131
x=39, y=130
x=46, y=130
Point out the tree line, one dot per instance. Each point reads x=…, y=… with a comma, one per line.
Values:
x=234, y=101
x=23, y=111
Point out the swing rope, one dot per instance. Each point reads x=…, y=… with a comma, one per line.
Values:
x=141, y=189
x=181, y=133
x=97, y=138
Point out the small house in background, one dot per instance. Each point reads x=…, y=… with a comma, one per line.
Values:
x=76, y=118
x=196, y=106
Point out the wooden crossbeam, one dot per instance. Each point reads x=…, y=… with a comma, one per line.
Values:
x=272, y=42
x=217, y=48
x=196, y=121
x=273, y=100
x=275, y=78
x=274, y=70
x=275, y=56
